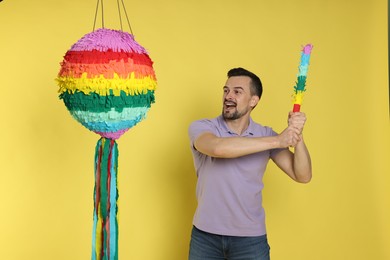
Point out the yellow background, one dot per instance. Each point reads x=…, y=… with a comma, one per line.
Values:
x=46, y=157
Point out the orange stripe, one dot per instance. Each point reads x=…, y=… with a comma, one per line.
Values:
x=123, y=69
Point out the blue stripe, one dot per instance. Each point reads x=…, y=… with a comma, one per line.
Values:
x=305, y=59
x=114, y=126
x=111, y=116
x=95, y=218
x=113, y=202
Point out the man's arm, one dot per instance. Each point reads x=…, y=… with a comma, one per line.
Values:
x=297, y=165
x=232, y=147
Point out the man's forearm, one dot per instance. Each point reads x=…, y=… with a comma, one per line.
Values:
x=232, y=147
x=302, y=163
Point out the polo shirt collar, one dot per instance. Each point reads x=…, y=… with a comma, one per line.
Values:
x=224, y=127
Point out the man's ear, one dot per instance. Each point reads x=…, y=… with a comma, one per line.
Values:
x=254, y=100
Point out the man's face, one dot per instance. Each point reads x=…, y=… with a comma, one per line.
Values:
x=237, y=98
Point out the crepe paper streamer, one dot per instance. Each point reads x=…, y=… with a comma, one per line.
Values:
x=107, y=83
x=299, y=88
x=105, y=227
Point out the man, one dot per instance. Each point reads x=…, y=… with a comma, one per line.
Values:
x=230, y=155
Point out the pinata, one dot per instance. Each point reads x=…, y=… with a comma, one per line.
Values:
x=107, y=83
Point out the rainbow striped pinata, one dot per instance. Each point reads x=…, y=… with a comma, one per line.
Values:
x=107, y=82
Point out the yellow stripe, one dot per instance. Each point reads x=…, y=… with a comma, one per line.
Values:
x=102, y=86
x=298, y=98
x=98, y=234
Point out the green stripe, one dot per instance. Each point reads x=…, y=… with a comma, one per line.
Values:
x=96, y=103
x=301, y=83
x=104, y=178
x=103, y=191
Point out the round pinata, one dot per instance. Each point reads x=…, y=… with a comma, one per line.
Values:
x=107, y=82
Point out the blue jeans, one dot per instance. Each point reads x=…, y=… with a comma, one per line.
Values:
x=206, y=246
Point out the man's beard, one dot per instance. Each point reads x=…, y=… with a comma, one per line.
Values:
x=231, y=116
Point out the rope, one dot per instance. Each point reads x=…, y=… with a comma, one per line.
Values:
x=102, y=14
x=120, y=16
x=96, y=12
x=128, y=22
x=119, y=13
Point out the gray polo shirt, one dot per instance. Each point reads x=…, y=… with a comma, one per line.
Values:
x=229, y=190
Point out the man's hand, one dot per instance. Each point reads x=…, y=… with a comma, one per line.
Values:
x=297, y=120
x=289, y=137
x=293, y=133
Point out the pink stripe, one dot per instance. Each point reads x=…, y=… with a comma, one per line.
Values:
x=307, y=49
x=106, y=39
x=113, y=135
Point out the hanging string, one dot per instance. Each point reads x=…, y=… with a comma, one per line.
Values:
x=96, y=12
x=120, y=16
x=102, y=14
x=128, y=22
x=119, y=12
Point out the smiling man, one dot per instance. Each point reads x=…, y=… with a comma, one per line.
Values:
x=230, y=155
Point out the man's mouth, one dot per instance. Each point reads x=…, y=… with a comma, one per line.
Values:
x=229, y=104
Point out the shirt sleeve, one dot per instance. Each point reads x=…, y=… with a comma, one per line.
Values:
x=199, y=127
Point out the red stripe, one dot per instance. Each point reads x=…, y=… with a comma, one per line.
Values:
x=107, y=226
x=296, y=108
x=97, y=184
x=95, y=57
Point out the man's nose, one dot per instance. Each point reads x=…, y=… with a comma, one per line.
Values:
x=229, y=96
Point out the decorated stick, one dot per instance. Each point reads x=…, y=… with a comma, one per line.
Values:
x=299, y=88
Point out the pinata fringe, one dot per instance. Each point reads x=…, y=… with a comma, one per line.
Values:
x=300, y=84
x=105, y=222
x=102, y=86
x=94, y=103
x=107, y=39
x=298, y=97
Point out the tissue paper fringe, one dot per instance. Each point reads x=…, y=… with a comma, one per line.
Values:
x=111, y=135
x=123, y=69
x=102, y=86
x=96, y=103
x=298, y=97
x=113, y=125
x=96, y=57
x=106, y=39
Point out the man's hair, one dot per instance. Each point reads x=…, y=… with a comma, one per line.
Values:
x=256, y=86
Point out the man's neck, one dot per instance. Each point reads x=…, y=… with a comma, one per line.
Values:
x=238, y=125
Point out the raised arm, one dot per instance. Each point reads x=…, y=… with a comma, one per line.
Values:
x=297, y=165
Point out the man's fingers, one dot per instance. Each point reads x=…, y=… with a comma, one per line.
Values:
x=293, y=136
x=297, y=119
x=295, y=130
